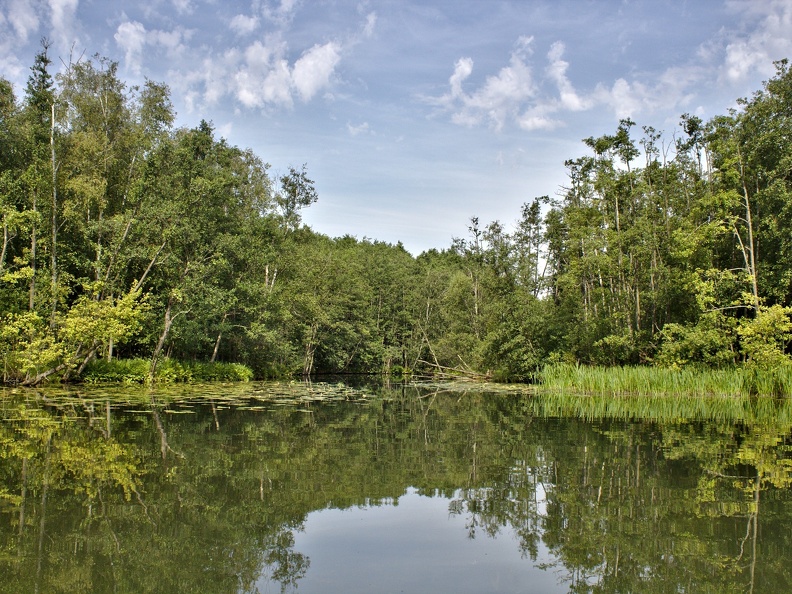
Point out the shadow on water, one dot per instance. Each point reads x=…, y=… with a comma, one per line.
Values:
x=228, y=488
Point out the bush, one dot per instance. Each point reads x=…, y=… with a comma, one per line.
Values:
x=135, y=371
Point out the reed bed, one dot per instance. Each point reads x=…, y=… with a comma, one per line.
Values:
x=649, y=381
x=665, y=408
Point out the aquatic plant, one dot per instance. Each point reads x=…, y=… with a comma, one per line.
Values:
x=687, y=381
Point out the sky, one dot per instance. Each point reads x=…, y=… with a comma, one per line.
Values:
x=413, y=116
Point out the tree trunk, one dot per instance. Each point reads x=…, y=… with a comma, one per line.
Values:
x=6, y=241
x=217, y=342
x=310, y=349
x=23, y=500
x=216, y=347
x=37, y=379
x=54, y=218
x=161, y=341
x=32, y=299
x=750, y=258
x=42, y=523
x=142, y=279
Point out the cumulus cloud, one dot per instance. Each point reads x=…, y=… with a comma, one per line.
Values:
x=244, y=25
x=769, y=38
x=265, y=77
x=517, y=96
x=262, y=75
x=172, y=41
x=671, y=89
x=624, y=98
x=556, y=70
x=462, y=70
x=131, y=37
x=498, y=99
x=514, y=95
x=538, y=118
x=265, y=73
x=313, y=70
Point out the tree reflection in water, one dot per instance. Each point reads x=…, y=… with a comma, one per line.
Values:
x=144, y=492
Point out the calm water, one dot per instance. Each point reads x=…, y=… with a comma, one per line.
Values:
x=325, y=488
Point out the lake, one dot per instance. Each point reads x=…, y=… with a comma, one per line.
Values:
x=327, y=487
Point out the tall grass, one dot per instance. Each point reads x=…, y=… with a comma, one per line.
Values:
x=665, y=408
x=688, y=381
x=135, y=371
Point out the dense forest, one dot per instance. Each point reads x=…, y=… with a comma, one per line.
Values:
x=125, y=237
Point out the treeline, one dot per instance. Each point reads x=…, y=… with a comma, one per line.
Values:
x=126, y=237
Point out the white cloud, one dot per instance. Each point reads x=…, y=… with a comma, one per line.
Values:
x=363, y=128
x=516, y=96
x=556, y=70
x=263, y=75
x=244, y=25
x=498, y=99
x=173, y=41
x=670, y=89
x=225, y=130
x=462, y=70
x=769, y=38
x=259, y=55
x=537, y=118
x=62, y=13
x=742, y=58
x=214, y=74
x=276, y=86
x=23, y=18
x=281, y=14
x=131, y=37
x=313, y=70
x=371, y=22
x=624, y=99
x=183, y=6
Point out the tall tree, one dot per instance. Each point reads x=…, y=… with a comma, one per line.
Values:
x=39, y=117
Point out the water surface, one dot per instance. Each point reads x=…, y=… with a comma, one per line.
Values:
x=327, y=488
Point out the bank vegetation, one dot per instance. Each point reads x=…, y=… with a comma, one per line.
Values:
x=131, y=244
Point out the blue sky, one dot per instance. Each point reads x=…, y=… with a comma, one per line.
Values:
x=415, y=115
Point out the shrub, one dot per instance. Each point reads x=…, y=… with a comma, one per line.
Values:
x=135, y=371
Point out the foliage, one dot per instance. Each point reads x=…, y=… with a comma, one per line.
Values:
x=135, y=371
x=124, y=236
x=689, y=381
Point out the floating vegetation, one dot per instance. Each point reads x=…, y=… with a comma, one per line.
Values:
x=250, y=396
x=595, y=398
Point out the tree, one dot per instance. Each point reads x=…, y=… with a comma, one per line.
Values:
x=39, y=117
x=297, y=192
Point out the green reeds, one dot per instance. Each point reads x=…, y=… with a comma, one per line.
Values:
x=688, y=381
x=664, y=408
